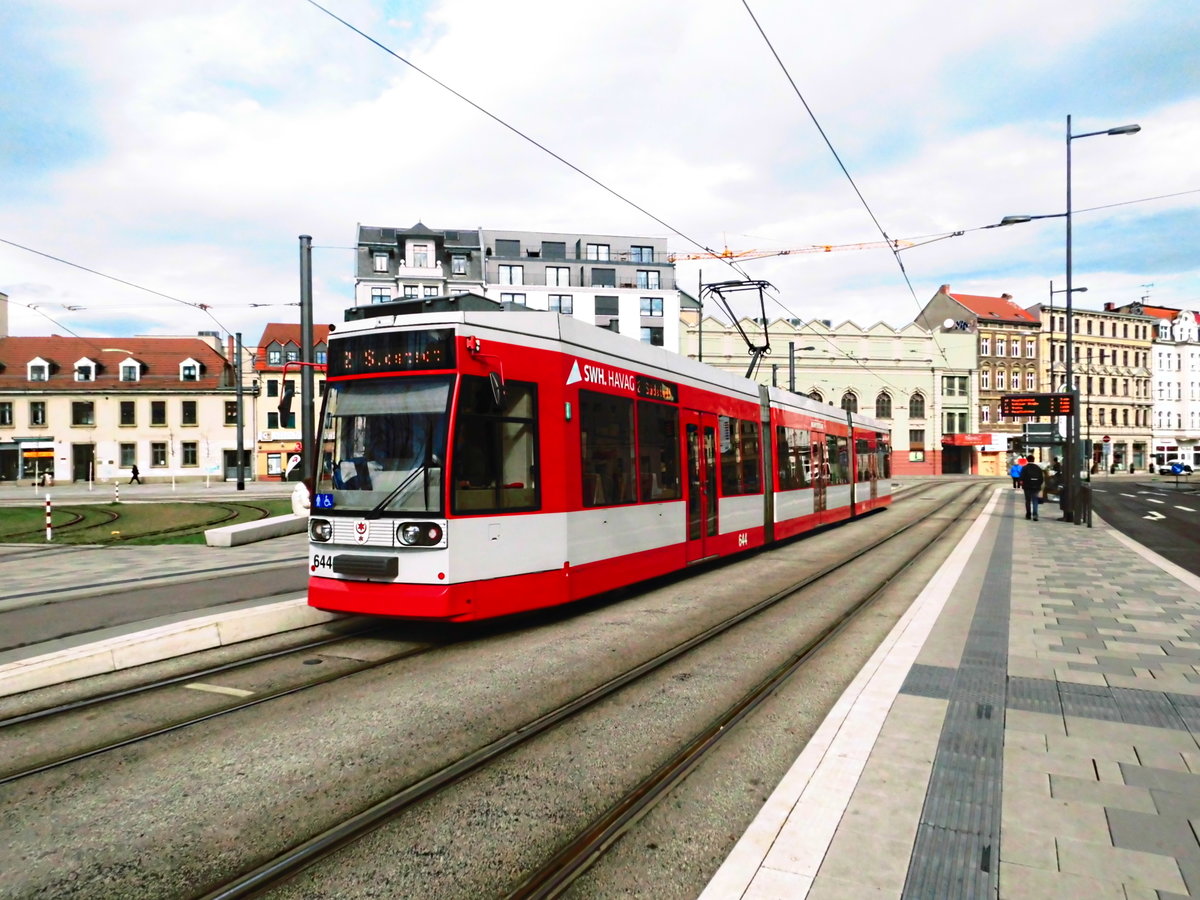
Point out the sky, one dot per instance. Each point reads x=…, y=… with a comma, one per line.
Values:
x=178, y=149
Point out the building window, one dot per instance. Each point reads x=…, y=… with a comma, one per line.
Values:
x=158, y=412
x=518, y=299
x=916, y=406
x=956, y=423
x=561, y=303
x=850, y=401
x=985, y=346
x=954, y=385
x=511, y=274
x=652, y=306
x=647, y=279
x=274, y=357
x=158, y=454
x=231, y=412
x=554, y=250
x=508, y=247
x=381, y=295
x=6, y=412
x=429, y=290
x=604, y=277
x=598, y=251
x=191, y=453
x=916, y=445
x=641, y=254
x=558, y=276
x=381, y=262
x=883, y=406
x=1016, y=348
x=83, y=412
x=274, y=464
x=985, y=379
x=128, y=412
x=128, y=455
x=458, y=265
x=608, y=306
x=420, y=254
x=272, y=387
x=1016, y=380
x=37, y=412
x=652, y=336
x=38, y=371
x=130, y=372
x=410, y=292
x=85, y=372
x=1030, y=381
x=189, y=372
x=985, y=414
x=187, y=412
x=1030, y=349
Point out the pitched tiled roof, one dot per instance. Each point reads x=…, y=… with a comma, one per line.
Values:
x=160, y=359
x=1160, y=312
x=284, y=333
x=994, y=309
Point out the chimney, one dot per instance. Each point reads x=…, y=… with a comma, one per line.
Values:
x=944, y=289
x=1007, y=297
x=1109, y=306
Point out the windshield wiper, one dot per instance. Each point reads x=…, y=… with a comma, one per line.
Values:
x=377, y=510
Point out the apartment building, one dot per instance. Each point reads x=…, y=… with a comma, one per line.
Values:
x=88, y=409
x=278, y=440
x=623, y=283
x=1111, y=369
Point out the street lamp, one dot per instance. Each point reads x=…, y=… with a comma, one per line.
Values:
x=1071, y=474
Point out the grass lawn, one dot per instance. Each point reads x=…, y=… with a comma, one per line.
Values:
x=137, y=523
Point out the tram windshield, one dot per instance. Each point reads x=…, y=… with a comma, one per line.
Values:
x=383, y=445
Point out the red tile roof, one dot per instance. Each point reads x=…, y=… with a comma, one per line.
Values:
x=994, y=309
x=284, y=333
x=160, y=359
x=1160, y=312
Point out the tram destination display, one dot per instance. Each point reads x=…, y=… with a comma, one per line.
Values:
x=1037, y=405
x=403, y=351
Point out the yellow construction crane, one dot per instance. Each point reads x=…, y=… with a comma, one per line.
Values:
x=815, y=248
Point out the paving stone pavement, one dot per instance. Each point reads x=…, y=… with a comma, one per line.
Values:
x=1071, y=657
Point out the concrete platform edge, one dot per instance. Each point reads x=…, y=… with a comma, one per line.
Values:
x=819, y=784
x=159, y=643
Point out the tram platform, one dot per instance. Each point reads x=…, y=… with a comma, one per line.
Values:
x=1029, y=729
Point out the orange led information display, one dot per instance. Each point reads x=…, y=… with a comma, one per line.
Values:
x=1037, y=405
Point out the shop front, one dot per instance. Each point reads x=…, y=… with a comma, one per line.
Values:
x=959, y=452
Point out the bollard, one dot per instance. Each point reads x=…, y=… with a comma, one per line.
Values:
x=116, y=493
x=48, y=528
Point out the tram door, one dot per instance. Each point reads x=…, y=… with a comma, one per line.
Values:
x=820, y=473
x=700, y=437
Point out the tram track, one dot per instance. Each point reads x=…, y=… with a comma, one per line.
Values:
x=20, y=730
x=580, y=852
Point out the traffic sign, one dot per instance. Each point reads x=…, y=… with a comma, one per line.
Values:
x=1106, y=439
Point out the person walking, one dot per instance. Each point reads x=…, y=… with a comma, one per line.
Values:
x=1031, y=483
x=1015, y=472
x=136, y=476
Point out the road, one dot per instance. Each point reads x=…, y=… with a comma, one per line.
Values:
x=1156, y=513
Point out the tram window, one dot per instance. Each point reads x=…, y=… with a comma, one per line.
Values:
x=740, y=464
x=885, y=460
x=495, y=450
x=658, y=451
x=864, y=461
x=838, y=459
x=607, y=449
x=794, y=454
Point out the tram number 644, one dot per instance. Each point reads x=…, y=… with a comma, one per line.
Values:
x=743, y=539
x=322, y=561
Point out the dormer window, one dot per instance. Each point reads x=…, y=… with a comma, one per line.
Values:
x=189, y=370
x=38, y=369
x=131, y=369
x=274, y=355
x=85, y=370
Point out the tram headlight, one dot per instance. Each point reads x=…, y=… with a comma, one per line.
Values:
x=419, y=534
x=320, y=530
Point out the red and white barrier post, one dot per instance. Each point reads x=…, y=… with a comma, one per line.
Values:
x=49, y=530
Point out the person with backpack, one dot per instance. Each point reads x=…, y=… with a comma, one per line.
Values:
x=1031, y=483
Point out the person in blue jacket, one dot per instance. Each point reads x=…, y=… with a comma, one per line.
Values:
x=1015, y=472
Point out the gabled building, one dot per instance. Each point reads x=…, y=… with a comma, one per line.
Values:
x=625, y=284
x=1007, y=338
x=276, y=441
x=88, y=409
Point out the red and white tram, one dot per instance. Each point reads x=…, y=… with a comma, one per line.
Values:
x=476, y=464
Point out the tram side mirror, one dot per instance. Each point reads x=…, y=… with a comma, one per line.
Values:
x=497, y=384
x=285, y=400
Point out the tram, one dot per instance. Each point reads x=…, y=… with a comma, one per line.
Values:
x=477, y=463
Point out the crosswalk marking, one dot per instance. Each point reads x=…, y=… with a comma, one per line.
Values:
x=1185, y=508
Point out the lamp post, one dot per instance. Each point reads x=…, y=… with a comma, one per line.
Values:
x=1071, y=511
x=1063, y=500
